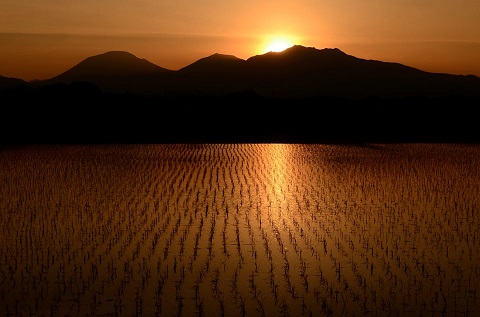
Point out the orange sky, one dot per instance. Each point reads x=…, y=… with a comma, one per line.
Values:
x=40, y=39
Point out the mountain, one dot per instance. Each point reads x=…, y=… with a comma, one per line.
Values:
x=114, y=71
x=308, y=62
x=110, y=65
x=298, y=71
x=307, y=71
x=302, y=94
x=8, y=83
x=215, y=66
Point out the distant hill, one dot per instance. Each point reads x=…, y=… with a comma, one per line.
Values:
x=114, y=71
x=110, y=65
x=299, y=60
x=302, y=94
x=216, y=66
x=296, y=72
x=9, y=83
x=306, y=71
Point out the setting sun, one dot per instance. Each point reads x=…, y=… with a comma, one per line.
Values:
x=278, y=45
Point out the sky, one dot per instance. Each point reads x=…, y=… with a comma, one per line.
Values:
x=40, y=39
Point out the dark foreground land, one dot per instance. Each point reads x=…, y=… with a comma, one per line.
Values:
x=81, y=113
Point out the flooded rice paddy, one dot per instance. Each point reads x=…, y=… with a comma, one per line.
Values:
x=240, y=230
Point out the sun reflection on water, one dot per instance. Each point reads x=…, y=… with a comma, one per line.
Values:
x=278, y=157
x=240, y=229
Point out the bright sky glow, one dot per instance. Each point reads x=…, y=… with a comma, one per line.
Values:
x=40, y=39
x=278, y=45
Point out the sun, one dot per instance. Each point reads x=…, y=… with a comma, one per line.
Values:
x=278, y=44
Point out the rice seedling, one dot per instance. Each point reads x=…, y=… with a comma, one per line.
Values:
x=240, y=229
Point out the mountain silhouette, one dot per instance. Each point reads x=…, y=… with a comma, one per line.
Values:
x=307, y=71
x=110, y=65
x=113, y=71
x=302, y=94
x=297, y=72
x=214, y=66
x=300, y=61
x=9, y=83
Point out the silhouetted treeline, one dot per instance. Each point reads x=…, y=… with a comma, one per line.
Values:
x=82, y=113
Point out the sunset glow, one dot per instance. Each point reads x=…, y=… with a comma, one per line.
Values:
x=239, y=158
x=278, y=45
x=42, y=40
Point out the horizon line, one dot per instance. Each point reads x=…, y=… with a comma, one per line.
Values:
x=195, y=55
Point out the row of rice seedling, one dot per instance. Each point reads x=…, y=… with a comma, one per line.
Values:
x=239, y=229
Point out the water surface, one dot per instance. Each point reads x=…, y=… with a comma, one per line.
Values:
x=240, y=229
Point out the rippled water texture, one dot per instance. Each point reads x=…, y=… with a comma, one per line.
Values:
x=240, y=229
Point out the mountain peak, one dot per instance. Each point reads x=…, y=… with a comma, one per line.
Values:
x=223, y=56
x=7, y=82
x=298, y=70
x=118, y=57
x=300, y=49
x=112, y=64
x=112, y=57
x=299, y=56
x=115, y=54
x=214, y=64
x=217, y=57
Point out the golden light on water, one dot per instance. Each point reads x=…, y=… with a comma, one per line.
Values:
x=279, y=156
x=308, y=227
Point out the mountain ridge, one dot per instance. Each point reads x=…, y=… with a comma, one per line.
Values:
x=10, y=82
x=298, y=71
x=214, y=65
x=299, y=95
